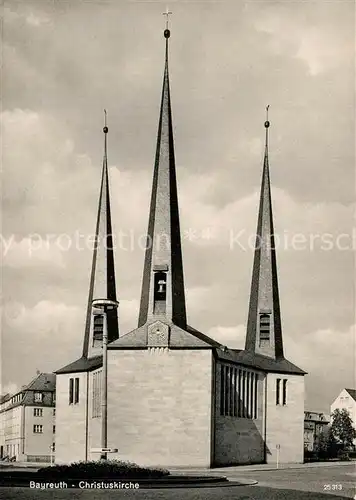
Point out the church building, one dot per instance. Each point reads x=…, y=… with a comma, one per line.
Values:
x=175, y=396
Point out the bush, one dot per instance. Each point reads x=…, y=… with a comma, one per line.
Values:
x=101, y=469
x=343, y=455
x=310, y=456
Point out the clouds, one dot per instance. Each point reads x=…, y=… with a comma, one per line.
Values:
x=64, y=63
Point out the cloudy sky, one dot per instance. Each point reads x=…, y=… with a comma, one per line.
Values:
x=64, y=61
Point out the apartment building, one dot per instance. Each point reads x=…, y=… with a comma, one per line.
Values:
x=27, y=421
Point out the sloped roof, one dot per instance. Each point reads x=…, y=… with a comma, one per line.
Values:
x=352, y=393
x=253, y=360
x=82, y=365
x=179, y=338
x=43, y=382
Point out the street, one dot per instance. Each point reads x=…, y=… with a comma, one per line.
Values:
x=299, y=484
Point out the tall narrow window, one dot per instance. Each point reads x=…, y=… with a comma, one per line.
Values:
x=248, y=391
x=252, y=389
x=284, y=391
x=98, y=328
x=232, y=392
x=265, y=327
x=278, y=390
x=227, y=390
x=240, y=402
x=71, y=391
x=76, y=391
x=222, y=390
x=256, y=397
x=243, y=394
x=235, y=392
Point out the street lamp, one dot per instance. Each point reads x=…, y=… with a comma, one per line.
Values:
x=105, y=305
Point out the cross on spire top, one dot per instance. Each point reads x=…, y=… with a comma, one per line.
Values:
x=267, y=122
x=105, y=129
x=167, y=14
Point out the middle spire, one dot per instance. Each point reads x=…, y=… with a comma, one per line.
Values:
x=162, y=294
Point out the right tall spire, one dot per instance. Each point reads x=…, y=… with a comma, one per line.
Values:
x=264, y=329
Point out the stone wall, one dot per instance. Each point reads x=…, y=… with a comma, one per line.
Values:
x=159, y=406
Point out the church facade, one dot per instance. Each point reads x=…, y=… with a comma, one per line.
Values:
x=176, y=397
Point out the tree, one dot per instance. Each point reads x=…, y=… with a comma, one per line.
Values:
x=326, y=445
x=342, y=428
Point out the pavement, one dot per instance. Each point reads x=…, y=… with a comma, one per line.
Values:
x=240, y=469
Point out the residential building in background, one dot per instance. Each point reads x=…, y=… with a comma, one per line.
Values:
x=27, y=421
x=346, y=400
x=314, y=423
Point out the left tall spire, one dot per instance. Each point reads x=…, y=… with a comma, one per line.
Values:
x=102, y=280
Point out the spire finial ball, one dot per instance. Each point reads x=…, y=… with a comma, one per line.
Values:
x=167, y=33
x=267, y=124
x=105, y=130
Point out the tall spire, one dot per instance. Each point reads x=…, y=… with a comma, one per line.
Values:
x=264, y=330
x=162, y=296
x=102, y=280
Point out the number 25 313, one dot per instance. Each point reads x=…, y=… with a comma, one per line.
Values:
x=332, y=487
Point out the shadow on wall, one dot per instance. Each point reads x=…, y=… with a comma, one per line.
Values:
x=239, y=417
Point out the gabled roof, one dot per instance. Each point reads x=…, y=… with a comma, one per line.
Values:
x=179, y=339
x=253, y=360
x=82, y=365
x=352, y=393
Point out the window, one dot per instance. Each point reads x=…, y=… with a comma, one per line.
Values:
x=96, y=404
x=222, y=390
x=38, y=397
x=265, y=327
x=54, y=429
x=238, y=392
x=71, y=392
x=284, y=391
x=37, y=412
x=255, y=395
x=239, y=411
x=98, y=328
x=278, y=389
x=74, y=391
x=38, y=429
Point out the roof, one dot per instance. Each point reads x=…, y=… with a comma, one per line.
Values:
x=189, y=338
x=352, y=393
x=180, y=338
x=315, y=416
x=253, y=360
x=43, y=382
x=82, y=365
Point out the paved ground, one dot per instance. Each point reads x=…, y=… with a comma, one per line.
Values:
x=318, y=483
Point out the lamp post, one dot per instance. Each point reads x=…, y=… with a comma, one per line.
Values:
x=105, y=305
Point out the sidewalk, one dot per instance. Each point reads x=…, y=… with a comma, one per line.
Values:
x=240, y=469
